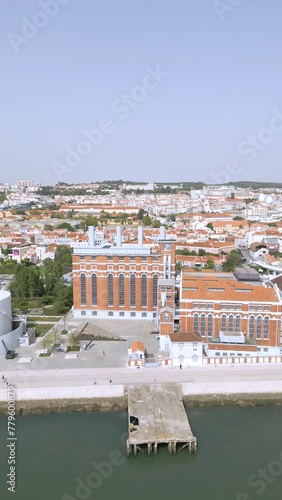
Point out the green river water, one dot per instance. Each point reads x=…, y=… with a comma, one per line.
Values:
x=239, y=457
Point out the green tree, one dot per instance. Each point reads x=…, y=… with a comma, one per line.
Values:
x=178, y=266
x=202, y=252
x=66, y=225
x=88, y=221
x=62, y=298
x=141, y=213
x=156, y=224
x=210, y=226
x=146, y=220
x=233, y=260
x=209, y=264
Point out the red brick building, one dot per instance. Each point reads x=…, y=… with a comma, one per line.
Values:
x=210, y=304
x=121, y=280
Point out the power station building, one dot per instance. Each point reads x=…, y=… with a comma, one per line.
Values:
x=121, y=280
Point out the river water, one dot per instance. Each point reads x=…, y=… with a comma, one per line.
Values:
x=82, y=456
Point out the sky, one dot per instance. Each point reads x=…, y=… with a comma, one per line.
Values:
x=151, y=90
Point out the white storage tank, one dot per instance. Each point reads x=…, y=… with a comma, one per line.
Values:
x=5, y=312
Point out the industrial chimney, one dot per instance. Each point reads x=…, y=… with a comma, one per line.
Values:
x=91, y=236
x=140, y=236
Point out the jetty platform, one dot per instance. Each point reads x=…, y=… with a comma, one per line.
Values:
x=156, y=416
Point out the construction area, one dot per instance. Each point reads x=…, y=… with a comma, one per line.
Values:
x=156, y=416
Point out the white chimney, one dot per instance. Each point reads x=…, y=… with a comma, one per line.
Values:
x=140, y=236
x=118, y=237
x=91, y=236
x=162, y=233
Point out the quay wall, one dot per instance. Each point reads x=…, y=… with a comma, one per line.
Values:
x=114, y=397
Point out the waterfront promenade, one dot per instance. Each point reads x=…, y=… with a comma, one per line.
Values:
x=79, y=382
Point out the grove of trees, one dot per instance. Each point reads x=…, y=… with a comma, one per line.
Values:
x=43, y=284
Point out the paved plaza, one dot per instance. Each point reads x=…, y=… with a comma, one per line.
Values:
x=102, y=354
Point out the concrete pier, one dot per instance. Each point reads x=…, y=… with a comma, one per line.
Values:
x=156, y=416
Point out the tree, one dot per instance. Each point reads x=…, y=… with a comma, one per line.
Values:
x=141, y=213
x=202, y=252
x=210, y=226
x=178, y=266
x=248, y=200
x=233, y=260
x=156, y=224
x=88, y=221
x=66, y=225
x=146, y=220
x=171, y=217
x=238, y=218
x=209, y=264
x=46, y=342
x=62, y=298
x=74, y=341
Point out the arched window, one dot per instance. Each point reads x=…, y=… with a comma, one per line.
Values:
x=196, y=322
x=132, y=290
x=266, y=328
x=223, y=323
x=210, y=325
x=252, y=327
x=94, y=289
x=231, y=323
x=110, y=290
x=238, y=323
x=155, y=290
x=259, y=327
x=144, y=290
x=121, y=290
x=83, y=289
x=203, y=325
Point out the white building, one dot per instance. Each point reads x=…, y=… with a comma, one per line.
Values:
x=185, y=349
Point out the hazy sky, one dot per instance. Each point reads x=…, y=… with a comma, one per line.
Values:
x=171, y=90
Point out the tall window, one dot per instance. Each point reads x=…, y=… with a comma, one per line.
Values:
x=110, y=290
x=83, y=289
x=238, y=323
x=155, y=290
x=196, y=322
x=132, y=290
x=266, y=328
x=259, y=327
x=203, y=325
x=252, y=327
x=144, y=290
x=94, y=289
x=121, y=290
x=210, y=325
x=231, y=323
x=223, y=323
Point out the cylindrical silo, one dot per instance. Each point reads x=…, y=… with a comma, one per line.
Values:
x=5, y=312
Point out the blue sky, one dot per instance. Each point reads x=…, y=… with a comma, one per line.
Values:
x=224, y=79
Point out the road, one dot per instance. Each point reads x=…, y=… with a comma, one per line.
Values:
x=81, y=377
